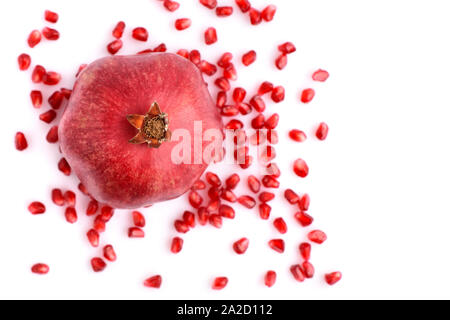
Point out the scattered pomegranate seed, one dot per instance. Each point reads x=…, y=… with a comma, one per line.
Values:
x=264, y=211
x=52, y=135
x=270, y=182
x=36, y=98
x=51, y=16
x=255, y=16
x=272, y=122
x=109, y=253
x=34, y=38
x=235, y=124
x=171, y=5
x=280, y=225
x=215, y=220
x=317, y=236
x=278, y=94
x=291, y=196
x=184, y=53
x=308, y=269
x=138, y=219
x=322, y=131
x=140, y=34
x=304, y=219
x=244, y=5
x=266, y=196
x=270, y=278
x=220, y=283
x=50, y=34
x=241, y=246
x=71, y=215
x=70, y=198
x=221, y=99
x=249, y=58
x=24, y=61
x=229, y=111
x=307, y=95
x=223, y=84
x=207, y=68
x=36, y=208
x=203, y=216
x=58, y=198
x=287, y=48
x=225, y=60
x=213, y=179
x=210, y=4
x=265, y=87
x=136, y=233
x=195, y=199
x=83, y=189
x=258, y=104
x=226, y=211
x=38, y=74
x=305, y=250
x=51, y=78
x=273, y=170
x=304, y=202
x=98, y=265
x=199, y=185
x=277, y=245
x=210, y=36
x=93, y=237
x=177, y=245
x=224, y=11
x=99, y=224
x=214, y=193
x=182, y=24
x=232, y=181
x=297, y=135
x=181, y=226
x=118, y=30
x=56, y=100
x=258, y=122
x=254, y=184
x=247, y=201
x=301, y=168
x=281, y=61
x=92, y=208
x=189, y=219
x=153, y=282
x=320, y=75
x=107, y=213
x=297, y=272
x=333, y=278
x=115, y=46
x=229, y=196
x=244, y=108
x=230, y=72
x=269, y=12
x=40, y=268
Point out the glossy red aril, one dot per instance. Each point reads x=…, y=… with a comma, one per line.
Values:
x=182, y=24
x=99, y=224
x=221, y=99
x=264, y=211
x=269, y=12
x=213, y=206
x=244, y=108
x=281, y=61
x=258, y=104
x=247, y=201
x=255, y=16
x=210, y=4
x=214, y=193
x=198, y=185
x=195, y=57
x=333, y=278
x=64, y=167
x=92, y=208
x=52, y=135
x=241, y=246
x=38, y=74
x=189, y=218
x=270, y=278
x=277, y=245
x=213, y=179
x=265, y=87
x=244, y=5
x=51, y=78
x=224, y=11
x=278, y=94
x=51, y=16
x=48, y=116
x=215, y=220
x=115, y=46
x=234, y=124
x=229, y=196
x=273, y=170
x=226, y=211
x=266, y=196
x=322, y=131
x=109, y=253
x=307, y=95
x=24, y=61
x=301, y=169
x=304, y=202
x=136, y=233
x=98, y=265
x=58, y=198
x=308, y=270
x=297, y=273
x=138, y=219
x=203, y=216
x=56, y=99
x=317, y=236
x=36, y=208
x=118, y=30
x=291, y=196
x=320, y=75
x=50, y=34
x=177, y=245
x=229, y=111
x=230, y=72
x=107, y=213
x=225, y=60
x=220, y=283
x=305, y=250
x=272, y=121
x=93, y=237
x=71, y=215
x=83, y=189
x=232, y=181
x=297, y=135
x=210, y=36
x=140, y=34
x=34, y=38
x=270, y=182
x=280, y=225
x=304, y=219
x=249, y=58
x=153, y=282
x=223, y=84
x=40, y=268
x=254, y=184
x=258, y=122
x=181, y=226
x=70, y=198
x=183, y=53
x=36, y=98
x=287, y=48
x=171, y=5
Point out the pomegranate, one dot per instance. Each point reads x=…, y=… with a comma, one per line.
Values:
x=120, y=130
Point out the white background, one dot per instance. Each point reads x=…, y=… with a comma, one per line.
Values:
x=379, y=184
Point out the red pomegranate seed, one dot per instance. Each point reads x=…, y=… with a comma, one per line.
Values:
x=264, y=211
x=247, y=163
x=70, y=198
x=272, y=122
x=64, y=167
x=244, y=5
x=269, y=12
x=225, y=60
x=258, y=104
x=265, y=87
x=51, y=16
x=215, y=220
x=98, y=265
x=56, y=100
x=184, y=53
x=36, y=208
x=51, y=78
x=224, y=11
x=247, y=201
x=305, y=250
x=153, y=282
x=136, y=233
x=93, y=237
x=138, y=219
x=304, y=202
x=171, y=5
x=199, y=185
x=308, y=270
x=297, y=272
x=99, y=224
x=239, y=95
x=297, y=135
x=291, y=196
x=333, y=278
x=177, y=245
x=213, y=206
x=38, y=74
x=118, y=30
x=50, y=34
x=244, y=108
x=34, y=38
x=220, y=283
x=181, y=226
x=203, y=216
x=207, y=68
x=58, y=198
x=278, y=94
x=229, y=196
x=182, y=24
x=36, y=98
x=92, y=208
x=140, y=34
x=210, y=4
x=307, y=95
x=258, y=122
x=270, y=182
x=221, y=99
x=277, y=245
x=71, y=215
x=229, y=111
x=230, y=72
x=301, y=168
x=83, y=189
x=109, y=253
x=270, y=278
x=232, y=181
x=213, y=179
x=317, y=236
x=249, y=58
x=287, y=48
x=273, y=170
x=241, y=246
x=255, y=16
x=20, y=141
x=320, y=75
x=52, y=135
x=322, y=131
x=195, y=199
x=223, y=84
x=214, y=193
x=280, y=225
x=48, y=116
x=24, y=61
x=115, y=46
x=266, y=196
x=210, y=36
x=189, y=218
x=226, y=211
x=254, y=184
x=107, y=213
x=304, y=219
x=281, y=61
x=235, y=124
x=40, y=268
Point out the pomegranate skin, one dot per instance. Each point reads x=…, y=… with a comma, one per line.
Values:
x=94, y=131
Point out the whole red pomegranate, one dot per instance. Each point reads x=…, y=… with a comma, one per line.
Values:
x=119, y=131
